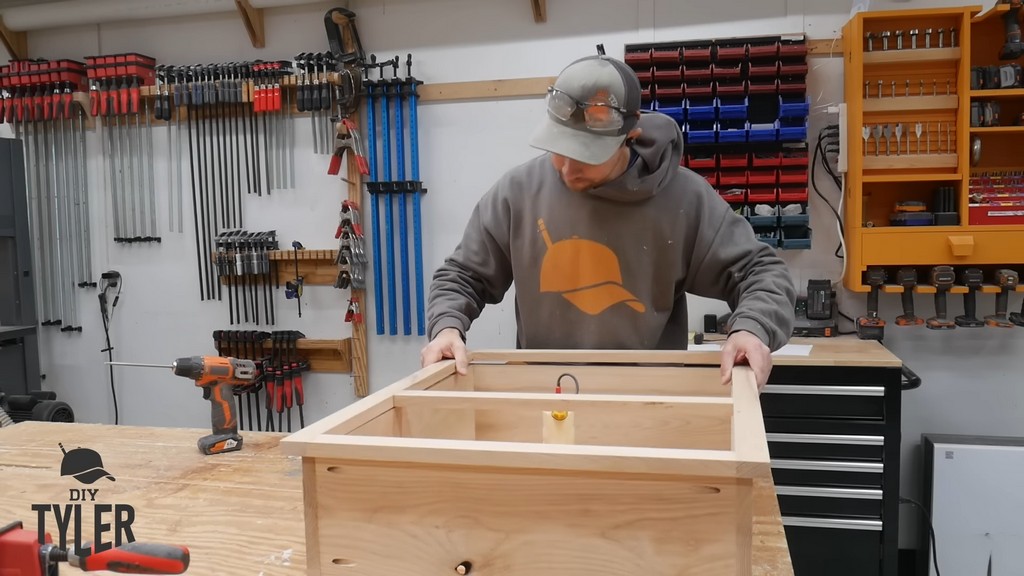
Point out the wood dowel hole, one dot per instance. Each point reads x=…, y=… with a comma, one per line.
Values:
x=345, y=562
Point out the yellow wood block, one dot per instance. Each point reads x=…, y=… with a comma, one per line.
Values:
x=959, y=290
x=990, y=289
x=892, y=289
x=925, y=289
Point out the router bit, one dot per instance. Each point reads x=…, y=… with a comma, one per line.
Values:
x=871, y=41
x=928, y=38
x=913, y=39
x=952, y=37
x=942, y=32
x=899, y=39
x=885, y=40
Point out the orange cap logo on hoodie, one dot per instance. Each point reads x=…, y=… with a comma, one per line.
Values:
x=584, y=272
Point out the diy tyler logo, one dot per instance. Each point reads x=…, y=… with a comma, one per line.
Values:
x=86, y=466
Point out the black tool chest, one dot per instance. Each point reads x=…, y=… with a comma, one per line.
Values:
x=834, y=440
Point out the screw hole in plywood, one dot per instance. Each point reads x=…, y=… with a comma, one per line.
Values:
x=343, y=562
x=334, y=468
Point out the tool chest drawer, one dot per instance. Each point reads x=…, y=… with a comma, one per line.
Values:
x=828, y=473
x=830, y=502
x=834, y=547
x=824, y=401
x=846, y=447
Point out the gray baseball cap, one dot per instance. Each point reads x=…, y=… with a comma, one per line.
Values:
x=590, y=134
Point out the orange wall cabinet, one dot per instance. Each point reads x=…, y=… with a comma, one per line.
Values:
x=916, y=197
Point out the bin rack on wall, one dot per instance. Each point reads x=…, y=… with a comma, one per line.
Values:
x=743, y=107
x=918, y=202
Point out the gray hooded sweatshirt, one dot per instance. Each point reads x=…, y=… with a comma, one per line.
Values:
x=610, y=268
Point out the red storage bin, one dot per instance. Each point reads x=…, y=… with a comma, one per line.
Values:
x=695, y=162
x=731, y=179
x=762, y=195
x=793, y=176
x=668, y=74
x=733, y=160
x=794, y=158
x=665, y=56
x=764, y=159
x=730, y=53
x=763, y=177
x=697, y=54
x=793, y=194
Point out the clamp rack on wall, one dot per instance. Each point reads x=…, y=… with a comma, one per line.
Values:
x=742, y=105
x=42, y=100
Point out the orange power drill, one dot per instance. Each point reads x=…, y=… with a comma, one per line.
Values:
x=217, y=376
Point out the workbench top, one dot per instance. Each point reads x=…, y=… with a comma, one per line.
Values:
x=840, y=351
x=239, y=513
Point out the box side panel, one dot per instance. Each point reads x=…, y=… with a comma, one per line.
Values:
x=394, y=519
x=655, y=380
x=698, y=427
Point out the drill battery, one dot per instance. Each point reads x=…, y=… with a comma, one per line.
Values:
x=996, y=77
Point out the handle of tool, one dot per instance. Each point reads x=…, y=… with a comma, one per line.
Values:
x=223, y=414
x=908, y=301
x=300, y=395
x=940, y=303
x=970, y=303
x=279, y=394
x=139, y=558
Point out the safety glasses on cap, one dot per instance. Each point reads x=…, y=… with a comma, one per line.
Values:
x=596, y=115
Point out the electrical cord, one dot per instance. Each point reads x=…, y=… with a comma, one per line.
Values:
x=931, y=530
x=113, y=280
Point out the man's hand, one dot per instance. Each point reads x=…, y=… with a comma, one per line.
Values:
x=745, y=348
x=447, y=344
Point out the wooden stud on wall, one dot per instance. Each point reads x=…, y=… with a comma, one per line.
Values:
x=253, y=20
x=15, y=42
x=540, y=10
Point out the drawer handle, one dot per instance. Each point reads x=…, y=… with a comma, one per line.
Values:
x=842, y=523
x=961, y=245
x=826, y=439
x=826, y=390
x=820, y=492
x=829, y=466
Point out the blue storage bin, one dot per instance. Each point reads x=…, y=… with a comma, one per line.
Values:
x=759, y=221
x=794, y=107
x=732, y=108
x=699, y=109
x=700, y=132
x=770, y=238
x=795, y=238
x=763, y=132
x=678, y=113
x=792, y=131
x=794, y=220
x=732, y=131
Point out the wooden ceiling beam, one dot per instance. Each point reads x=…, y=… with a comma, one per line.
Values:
x=15, y=42
x=253, y=20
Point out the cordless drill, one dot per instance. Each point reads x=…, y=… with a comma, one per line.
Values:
x=1007, y=281
x=871, y=327
x=907, y=277
x=942, y=277
x=218, y=376
x=972, y=278
x=1013, y=48
x=21, y=554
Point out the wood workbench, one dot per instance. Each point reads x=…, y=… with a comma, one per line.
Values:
x=239, y=513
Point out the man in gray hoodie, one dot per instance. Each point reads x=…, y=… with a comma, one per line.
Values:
x=604, y=235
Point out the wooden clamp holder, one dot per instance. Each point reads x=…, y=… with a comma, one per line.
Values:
x=323, y=355
x=655, y=476
x=317, y=267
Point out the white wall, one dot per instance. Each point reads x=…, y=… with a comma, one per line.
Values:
x=968, y=384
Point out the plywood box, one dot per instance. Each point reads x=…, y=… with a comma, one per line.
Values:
x=647, y=470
